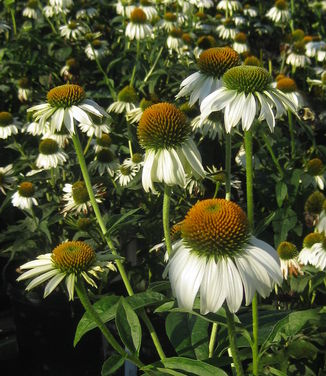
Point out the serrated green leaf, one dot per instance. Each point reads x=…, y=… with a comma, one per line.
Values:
x=128, y=326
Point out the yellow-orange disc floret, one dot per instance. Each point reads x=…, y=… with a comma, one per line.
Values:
x=66, y=95
x=216, y=228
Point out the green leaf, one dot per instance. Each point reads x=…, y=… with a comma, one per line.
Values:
x=302, y=349
x=276, y=372
x=112, y=364
x=281, y=192
x=128, y=326
x=107, y=307
x=118, y=220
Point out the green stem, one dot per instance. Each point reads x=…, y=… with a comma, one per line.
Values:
x=292, y=15
x=133, y=75
x=269, y=148
x=291, y=133
x=88, y=145
x=255, y=357
x=217, y=187
x=228, y=166
x=84, y=299
x=166, y=218
x=233, y=344
x=212, y=340
x=249, y=177
x=227, y=10
x=282, y=62
x=12, y=12
x=122, y=271
x=154, y=65
x=270, y=66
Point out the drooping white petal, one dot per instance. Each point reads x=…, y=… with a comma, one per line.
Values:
x=80, y=115
x=35, y=271
x=147, y=171
x=233, y=111
x=234, y=286
x=266, y=111
x=56, y=120
x=249, y=112
x=41, y=278
x=39, y=262
x=53, y=283
x=70, y=283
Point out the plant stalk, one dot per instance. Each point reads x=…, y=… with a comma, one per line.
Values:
x=166, y=218
x=228, y=166
x=212, y=340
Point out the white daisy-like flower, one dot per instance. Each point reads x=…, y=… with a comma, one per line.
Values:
x=314, y=47
x=138, y=27
x=227, y=30
x=77, y=199
x=127, y=99
x=31, y=10
x=174, y=40
x=212, y=63
x=125, y=174
x=168, y=22
x=97, y=49
x=289, y=88
x=288, y=255
x=7, y=177
x=204, y=42
x=72, y=31
x=124, y=7
x=50, y=156
x=134, y=115
x=321, y=223
x=246, y=90
x=240, y=43
x=86, y=13
x=62, y=3
x=8, y=125
x=315, y=168
x=297, y=55
x=319, y=252
x=171, y=155
x=105, y=162
x=229, y=5
x=279, y=13
x=148, y=8
x=36, y=129
x=306, y=255
x=68, y=262
x=202, y=3
x=136, y=162
x=24, y=197
x=97, y=127
x=24, y=89
x=61, y=138
x=219, y=258
x=66, y=105
x=210, y=127
x=250, y=11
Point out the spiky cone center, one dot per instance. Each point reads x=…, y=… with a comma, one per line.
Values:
x=5, y=119
x=206, y=41
x=299, y=47
x=48, y=146
x=105, y=156
x=137, y=158
x=170, y=17
x=105, y=141
x=138, y=16
x=279, y=77
x=26, y=189
x=228, y=23
x=240, y=38
x=66, y=95
x=72, y=25
x=215, y=228
x=315, y=167
x=253, y=61
x=79, y=192
x=33, y=4
x=314, y=203
x=23, y=83
x=312, y=238
x=73, y=257
x=125, y=170
x=287, y=251
x=186, y=38
x=281, y=5
x=287, y=85
x=175, y=231
x=84, y=223
x=96, y=44
x=200, y=15
x=297, y=35
x=162, y=126
x=217, y=60
x=247, y=79
x=176, y=33
x=128, y=94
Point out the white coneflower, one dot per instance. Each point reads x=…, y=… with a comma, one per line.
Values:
x=72, y=31
x=124, y=7
x=105, y=162
x=8, y=125
x=174, y=40
x=86, y=13
x=136, y=162
x=240, y=43
x=70, y=69
x=125, y=175
x=219, y=258
x=227, y=30
x=77, y=198
x=202, y=3
x=31, y=10
x=246, y=90
x=97, y=127
x=62, y=3
x=62, y=137
x=24, y=89
x=321, y=222
x=68, y=261
x=210, y=127
x=127, y=99
x=66, y=104
x=249, y=10
x=212, y=64
x=297, y=55
x=319, y=254
x=315, y=168
x=279, y=13
x=97, y=49
x=229, y=5
x=133, y=116
x=50, y=156
x=204, y=43
x=138, y=26
x=307, y=255
x=149, y=9
x=288, y=255
x=7, y=177
x=316, y=49
x=24, y=197
x=171, y=154
x=289, y=88
x=169, y=21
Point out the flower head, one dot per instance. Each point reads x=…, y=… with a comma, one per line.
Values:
x=24, y=197
x=7, y=177
x=127, y=99
x=307, y=255
x=50, y=156
x=138, y=27
x=218, y=256
x=68, y=261
x=8, y=125
x=288, y=255
x=315, y=168
x=170, y=153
